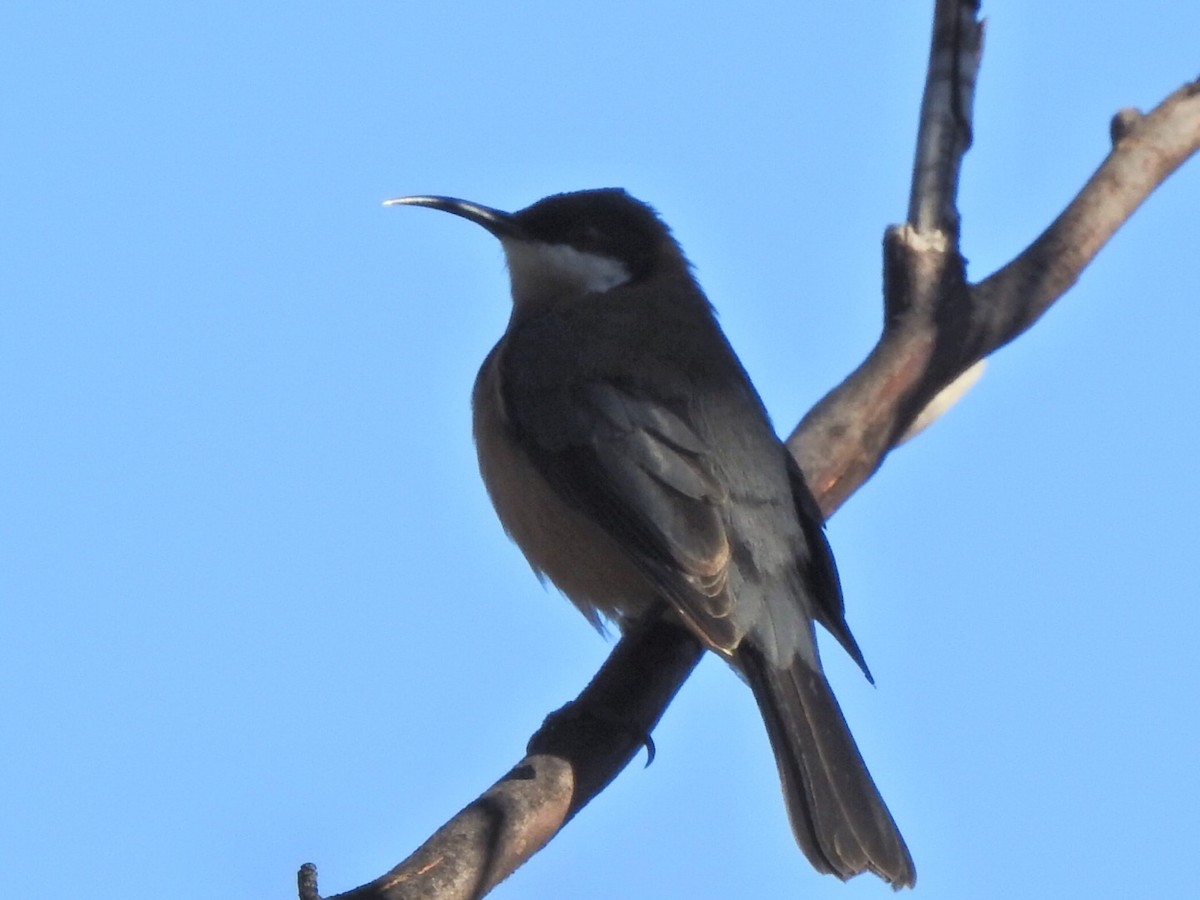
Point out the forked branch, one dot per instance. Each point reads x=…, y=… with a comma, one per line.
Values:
x=937, y=326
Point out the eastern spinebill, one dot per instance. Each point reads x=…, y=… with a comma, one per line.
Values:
x=632, y=461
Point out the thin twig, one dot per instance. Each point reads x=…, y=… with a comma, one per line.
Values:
x=1147, y=149
x=946, y=107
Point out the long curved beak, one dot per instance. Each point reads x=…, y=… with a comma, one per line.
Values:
x=501, y=224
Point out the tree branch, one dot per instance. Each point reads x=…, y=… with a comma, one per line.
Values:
x=944, y=135
x=844, y=438
x=936, y=327
x=571, y=758
x=1146, y=150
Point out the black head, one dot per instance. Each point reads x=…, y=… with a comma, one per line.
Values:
x=605, y=222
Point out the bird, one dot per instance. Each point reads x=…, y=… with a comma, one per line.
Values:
x=630, y=458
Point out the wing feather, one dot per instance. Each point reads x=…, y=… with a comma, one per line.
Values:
x=637, y=466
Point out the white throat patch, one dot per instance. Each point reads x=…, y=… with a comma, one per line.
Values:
x=542, y=272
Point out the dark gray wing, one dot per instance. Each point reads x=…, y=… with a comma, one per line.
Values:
x=636, y=466
x=632, y=454
x=820, y=571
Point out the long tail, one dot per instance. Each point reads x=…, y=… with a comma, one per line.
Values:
x=840, y=821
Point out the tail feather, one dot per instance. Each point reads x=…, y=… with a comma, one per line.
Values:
x=840, y=820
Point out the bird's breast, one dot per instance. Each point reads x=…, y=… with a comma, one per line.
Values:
x=575, y=553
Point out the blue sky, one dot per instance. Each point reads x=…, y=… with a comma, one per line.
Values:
x=255, y=608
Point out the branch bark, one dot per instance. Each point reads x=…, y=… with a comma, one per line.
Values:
x=574, y=755
x=936, y=327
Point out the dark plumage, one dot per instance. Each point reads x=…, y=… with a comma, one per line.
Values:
x=630, y=458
